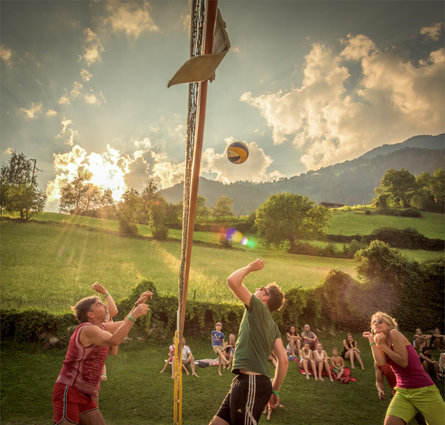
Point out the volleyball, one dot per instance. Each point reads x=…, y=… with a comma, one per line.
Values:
x=237, y=152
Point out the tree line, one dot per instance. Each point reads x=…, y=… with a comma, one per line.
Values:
x=283, y=219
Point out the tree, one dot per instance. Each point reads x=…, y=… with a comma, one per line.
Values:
x=80, y=195
x=401, y=184
x=290, y=217
x=19, y=191
x=202, y=210
x=223, y=207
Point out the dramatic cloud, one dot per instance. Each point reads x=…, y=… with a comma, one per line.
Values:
x=34, y=111
x=6, y=55
x=329, y=122
x=132, y=18
x=86, y=75
x=433, y=32
x=254, y=169
x=51, y=113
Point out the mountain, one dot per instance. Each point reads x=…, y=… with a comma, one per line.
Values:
x=350, y=182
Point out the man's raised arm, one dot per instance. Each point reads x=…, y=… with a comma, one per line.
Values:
x=235, y=280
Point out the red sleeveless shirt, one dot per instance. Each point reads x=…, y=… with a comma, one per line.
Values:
x=83, y=366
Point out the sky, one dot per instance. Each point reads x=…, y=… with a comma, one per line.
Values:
x=306, y=84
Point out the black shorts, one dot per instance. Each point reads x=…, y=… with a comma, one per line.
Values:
x=246, y=399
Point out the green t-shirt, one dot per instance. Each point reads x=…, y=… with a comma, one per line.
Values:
x=257, y=335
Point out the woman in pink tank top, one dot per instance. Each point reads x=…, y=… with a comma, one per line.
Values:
x=415, y=390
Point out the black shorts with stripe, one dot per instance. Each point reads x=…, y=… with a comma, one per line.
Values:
x=246, y=399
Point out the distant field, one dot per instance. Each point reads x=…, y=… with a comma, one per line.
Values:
x=431, y=225
x=49, y=266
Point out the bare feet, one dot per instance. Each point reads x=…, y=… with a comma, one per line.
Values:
x=195, y=374
x=307, y=376
x=219, y=372
x=321, y=379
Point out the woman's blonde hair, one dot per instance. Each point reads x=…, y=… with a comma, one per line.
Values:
x=390, y=321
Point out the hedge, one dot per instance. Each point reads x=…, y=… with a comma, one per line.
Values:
x=412, y=292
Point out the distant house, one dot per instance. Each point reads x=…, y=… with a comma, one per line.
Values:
x=331, y=205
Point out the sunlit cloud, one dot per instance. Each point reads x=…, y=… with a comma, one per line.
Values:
x=92, y=99
x=34, y=111
x=432, y=32
x=6, y=55
x=51, y=113
x=235, y=49
x=86, y=75
x=132, y=18
x=67, y=133
x=93, y=48
x=254, y=169
x=328, y=123
x=9, y=151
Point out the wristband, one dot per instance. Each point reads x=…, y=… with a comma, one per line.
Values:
x=103, y=375
x=371, y=344
x=132, y=318
x=106, y=295
x=276, y=393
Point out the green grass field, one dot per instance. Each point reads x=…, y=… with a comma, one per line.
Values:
x=137, y=394
x=47, y=266
x=431, y=225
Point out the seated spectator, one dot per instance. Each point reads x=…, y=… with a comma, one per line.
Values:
x=170, y=359
x=442, y=367
x=309, y=337
x=293, y=342
x=338, y=364
x=306, y=360
x=421, y=340
x=351, y=351
x=229, y=350
x=438, y=340
x=321, y=360
x=430, y=365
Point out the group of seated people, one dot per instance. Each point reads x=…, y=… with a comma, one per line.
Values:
x=425, y=344
x=307, y=348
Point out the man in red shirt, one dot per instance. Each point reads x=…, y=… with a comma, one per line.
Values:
x=78, y=381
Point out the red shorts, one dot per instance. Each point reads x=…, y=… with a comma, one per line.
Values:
x=68, y=403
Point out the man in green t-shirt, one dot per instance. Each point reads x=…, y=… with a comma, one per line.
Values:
x=258, y=336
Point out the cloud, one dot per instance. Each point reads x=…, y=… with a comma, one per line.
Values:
x=132, y=18
x=67, y=133
x=254, y=169
x=34, y=111
x=51, y=113
x=433, y=32
x=235, y=49
x=86, y=75
x=93, y=48
x=6, y=55
x=112, y=169
x=9, y=151
x=331, y=118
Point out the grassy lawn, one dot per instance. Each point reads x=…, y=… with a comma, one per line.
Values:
x=431, y=225
x=49, y=266
x=137, y=394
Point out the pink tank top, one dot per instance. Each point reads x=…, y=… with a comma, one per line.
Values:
x=412, y=376
x=83, y=366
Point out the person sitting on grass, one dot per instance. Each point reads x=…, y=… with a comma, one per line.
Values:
x=438, y=340
x=421, y=340
x=293, y=342
x=217, y=338
x=229, y=350
x=309, y=337
x=430, y=365
x=321, y=360
x=171, y=359
x=306, y=360
x=79, y=377
x=351, y=352
x=338, y=364
x=442, y=367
